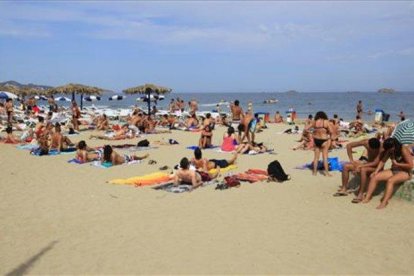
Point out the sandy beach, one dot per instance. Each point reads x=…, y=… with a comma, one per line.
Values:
x=61, y=218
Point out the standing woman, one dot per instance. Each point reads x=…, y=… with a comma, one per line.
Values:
x=321, y=136
x=402, y=165
x=75, y=115
x=9, y=109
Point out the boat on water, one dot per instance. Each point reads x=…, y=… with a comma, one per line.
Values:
x=270, y=101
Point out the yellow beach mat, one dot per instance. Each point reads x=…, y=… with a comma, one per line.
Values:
x=226, y=169
x=157, y=178
x=146, y=180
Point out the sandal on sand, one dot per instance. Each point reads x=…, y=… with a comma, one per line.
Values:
x=163, y=168
x=152, y=162
x=340, y=194
x=356, y=200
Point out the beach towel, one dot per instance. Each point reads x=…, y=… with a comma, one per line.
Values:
x=145, y=180
x=182, y=188
x=105, y=165
x=37, y=152
x=226, y=169
x=27, y=147
x=169, y=187
x=333, y=163
x=196, y=147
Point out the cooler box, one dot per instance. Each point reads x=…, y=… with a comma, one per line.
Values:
x=379, y=115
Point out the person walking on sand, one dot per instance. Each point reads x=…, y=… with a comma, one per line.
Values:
x=401, y=170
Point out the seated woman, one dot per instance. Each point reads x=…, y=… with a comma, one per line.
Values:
x=229, y=140
x=102, y=123
x=206, y=137
x=401, y=170
x=278, y=118
x=192, y=122
x=112, y=157
x=306, y=141
x=10, y=138
x=85, y=154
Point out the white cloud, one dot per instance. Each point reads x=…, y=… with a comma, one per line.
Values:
x=12, y=29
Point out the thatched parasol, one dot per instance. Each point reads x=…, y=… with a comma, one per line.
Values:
x=23, y=91
x=73, y=88
x=148, y=89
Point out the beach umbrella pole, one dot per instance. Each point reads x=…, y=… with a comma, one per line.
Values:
x=81, y=102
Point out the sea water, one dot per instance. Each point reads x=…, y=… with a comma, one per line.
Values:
x=341, y=103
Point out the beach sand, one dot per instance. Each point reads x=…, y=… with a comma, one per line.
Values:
x=60, y=218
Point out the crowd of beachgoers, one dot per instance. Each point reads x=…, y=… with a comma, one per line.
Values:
x=48, y=130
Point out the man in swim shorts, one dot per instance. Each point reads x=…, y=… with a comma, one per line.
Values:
x=365, y=165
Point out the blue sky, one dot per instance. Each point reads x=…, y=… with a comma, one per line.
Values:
x=210, y=46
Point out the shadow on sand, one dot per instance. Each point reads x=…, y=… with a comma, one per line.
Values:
x=26, y=266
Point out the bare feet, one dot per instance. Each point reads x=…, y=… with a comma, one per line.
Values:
x=327, y=173
x=314, y=173
x=365, y=200
x=382, y=205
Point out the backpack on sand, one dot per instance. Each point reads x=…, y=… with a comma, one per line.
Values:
x=143, y=143
x=276, y=172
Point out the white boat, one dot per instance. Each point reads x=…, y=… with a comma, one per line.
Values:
x=270, y=101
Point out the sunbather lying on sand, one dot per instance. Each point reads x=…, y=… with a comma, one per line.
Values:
x=111, y=156
x=186, y=176
x=204, y=164
x=85, y=154
x=123, y=133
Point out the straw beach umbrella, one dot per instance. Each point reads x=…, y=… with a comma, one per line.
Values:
x=148, y=89
x=73, y=88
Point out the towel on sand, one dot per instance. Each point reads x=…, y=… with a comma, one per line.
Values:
x=145, y=180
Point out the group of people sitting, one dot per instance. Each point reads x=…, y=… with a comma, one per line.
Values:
x=371, y=168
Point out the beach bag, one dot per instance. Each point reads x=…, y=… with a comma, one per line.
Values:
x=204, y=176
x=143, y=143
x=231, y=181
x=276, y=172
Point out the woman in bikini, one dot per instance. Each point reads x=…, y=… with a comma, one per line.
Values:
x=9, y=109
x=111, y=156
x=401, y=170
x=322, y=141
